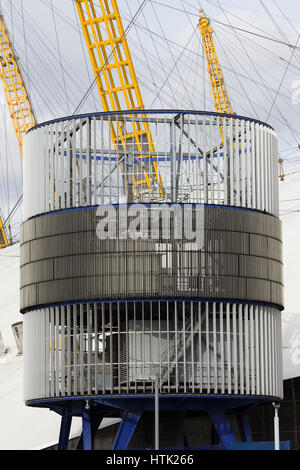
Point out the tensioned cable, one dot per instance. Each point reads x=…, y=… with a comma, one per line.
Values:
x=45, y=59
x=146, y=55
x=172, y=55
x=195, y=30
x=25, y=44
x=48, y=75
x=83, y=50
x=12, y=23
x=11, y=213
x=227, y=68
x=183, y=50
x=283, y=77
x=292, y=54
x=282, y=34
x=172, y=70
x=284, y=97
x=136, y=24
x=111, y=55
x=242, y=45
x=178, y=80
x=246, y=76
x=237, y=77
x=158, y=54
x=6, y=153
x=228, y=26
x=258, y=73
x=76, y=28
x=60, y=57
x=267, y=51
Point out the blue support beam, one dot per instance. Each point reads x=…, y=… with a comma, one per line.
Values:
x=222, y=425
x=94, y=426
x=284, y=445
x=87, y=442
x=244, y=425
x=64, y=435
x=126, y=429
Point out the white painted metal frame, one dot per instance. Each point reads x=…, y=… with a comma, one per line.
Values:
x=72, y=163
x=195, y=347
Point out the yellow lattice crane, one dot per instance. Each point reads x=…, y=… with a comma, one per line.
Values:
x=119, y=89
x=220, y=95
x=3, y=238
x=19, y=105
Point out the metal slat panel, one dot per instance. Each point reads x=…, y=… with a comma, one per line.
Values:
x=207, y=346
x=228, y=340
x=46, y=313
x=81, y=365
x=89, y=348
x=52, y=348
x=247, y=332
x=232, y=345
x=76, y=169
x=262, y=349
x=192, y=367
x=63, y=350
x=200, y=358
x=57, y=352
x=241, y=356
x=221, y=352
x=215, y=362
x=184, y=333
x=69, y=349
x=257, y=349
x=234, y=349
x=253, y=370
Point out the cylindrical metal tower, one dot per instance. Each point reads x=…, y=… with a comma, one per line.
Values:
x=151, y=246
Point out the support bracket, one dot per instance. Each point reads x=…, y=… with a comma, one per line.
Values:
x=126, y=429
x=222, y=425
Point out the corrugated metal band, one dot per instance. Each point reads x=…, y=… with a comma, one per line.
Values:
x=63, y=260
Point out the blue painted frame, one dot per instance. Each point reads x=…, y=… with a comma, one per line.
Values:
x=126, y=429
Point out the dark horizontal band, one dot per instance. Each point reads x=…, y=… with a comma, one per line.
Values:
x=172, y=112
x=62, y=260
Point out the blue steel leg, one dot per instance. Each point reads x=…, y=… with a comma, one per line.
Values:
x=64, y=435
x=126, y=429
x=95, y=423
x=222, y=425
x=244, y=425
x=215, y=439
x=86, y=430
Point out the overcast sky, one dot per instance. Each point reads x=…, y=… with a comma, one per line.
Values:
x=262, y=77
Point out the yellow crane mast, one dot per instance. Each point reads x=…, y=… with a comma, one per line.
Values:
x=119, y=89
x=3, y=239
x=20, y=108
x=220, y=95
